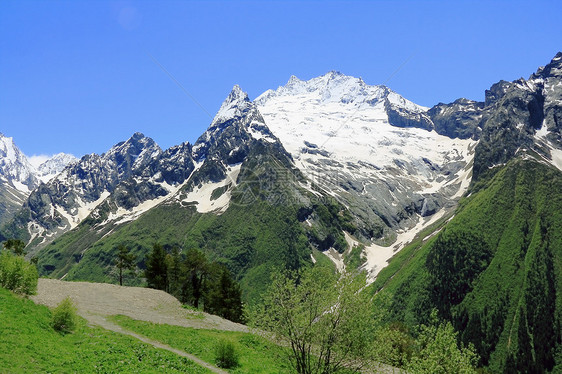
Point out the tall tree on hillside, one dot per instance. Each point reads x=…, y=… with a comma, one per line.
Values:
x=196, y=268
x=125, y=261
x=223, y=296
x=156, y=268
x=15, y=245
x=176, y=276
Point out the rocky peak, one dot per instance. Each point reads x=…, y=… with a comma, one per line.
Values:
x=237, y=123
x=553, y=69
x=235, y=105
x=14, y=166
x=459, y=119
x=133, y=146
x=519, y=116
x=132, y=155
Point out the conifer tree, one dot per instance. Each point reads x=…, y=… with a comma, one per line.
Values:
x=196, y=269
x=156, y=272
x=223, y=296
x=125, y=261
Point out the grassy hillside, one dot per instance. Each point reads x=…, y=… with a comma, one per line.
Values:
x=256, y=354
x=494, y=270
x=29, y=344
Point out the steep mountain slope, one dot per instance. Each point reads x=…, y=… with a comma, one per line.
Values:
x=381, y=157
x=130, y=174
x=379, y=154
x=520, y=116
x=244, y=203
x=17, y=178
x=494, y=268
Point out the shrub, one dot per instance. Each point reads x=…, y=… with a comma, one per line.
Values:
x=16, y=274
x=225, y=355
x=64, y=316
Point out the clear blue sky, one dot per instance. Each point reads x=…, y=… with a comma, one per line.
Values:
x=77, y=76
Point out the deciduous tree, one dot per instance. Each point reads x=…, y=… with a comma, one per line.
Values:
x=326, y=320
x=15, y=245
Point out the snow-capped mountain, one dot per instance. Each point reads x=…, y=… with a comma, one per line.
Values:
x=237, y=175
x=136, y=175
x=376, y=151
x=236, y=130
x=14, y=166
x=53, y=166
x=17, y=178
x=241, y=120
x=129, y=172
x=395, y=166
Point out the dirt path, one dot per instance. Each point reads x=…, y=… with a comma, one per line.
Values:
x=144, y=304
x=103, y=322
x=96, y=301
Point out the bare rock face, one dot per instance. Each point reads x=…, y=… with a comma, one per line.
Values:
x=522, y=116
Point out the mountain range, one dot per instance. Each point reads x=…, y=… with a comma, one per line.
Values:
x=18, y=177
x=463, y=197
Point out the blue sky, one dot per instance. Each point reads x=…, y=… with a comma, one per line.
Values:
x=78, y=76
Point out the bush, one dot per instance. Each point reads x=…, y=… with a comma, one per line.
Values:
x=64, y=316
x=16, y=274
x=225, y=355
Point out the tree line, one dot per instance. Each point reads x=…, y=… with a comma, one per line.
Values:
x=195, y=281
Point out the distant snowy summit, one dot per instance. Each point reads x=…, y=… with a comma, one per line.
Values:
x=18, y=177
x=335, y=87
x=15, y=168
x=377, y=152
x=53, y=166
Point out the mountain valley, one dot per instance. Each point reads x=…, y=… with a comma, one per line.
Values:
x=455, y=208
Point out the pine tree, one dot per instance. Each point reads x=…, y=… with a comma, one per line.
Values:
x=125, y=261
x=196, y=268
x=175, y=272
x=156, y=272
x=223, y=296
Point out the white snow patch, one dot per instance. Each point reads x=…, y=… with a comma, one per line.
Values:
x=555, y=153
x=83, y=210
x=126, y=215
x=259, y=135
x=202, y=195
x=336, y=258
x=69, y=217
x=34, y=230
x=542, y=132
x=86, y=208
x=312, y=258
x=20, y=186
x=378, y=256
x=556, y=157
